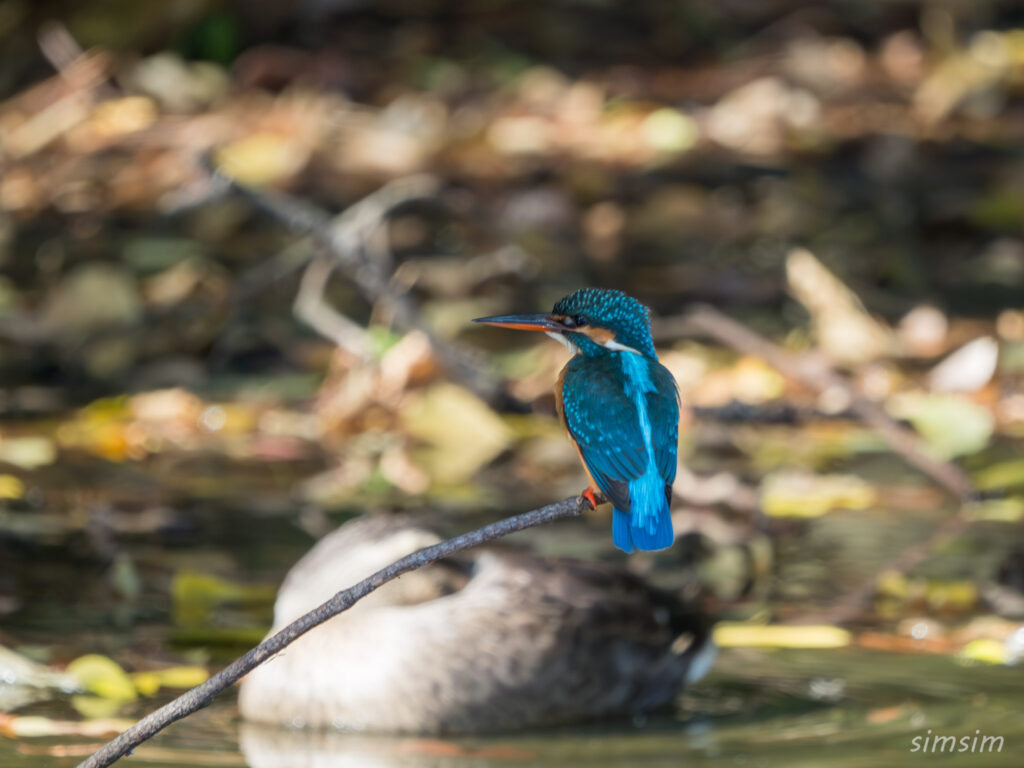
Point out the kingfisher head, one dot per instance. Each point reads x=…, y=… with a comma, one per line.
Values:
x=595, y=321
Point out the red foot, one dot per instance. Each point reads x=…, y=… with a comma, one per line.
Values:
x=590, y=497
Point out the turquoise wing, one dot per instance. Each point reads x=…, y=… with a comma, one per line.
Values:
x=603, y=422
x=663, y=408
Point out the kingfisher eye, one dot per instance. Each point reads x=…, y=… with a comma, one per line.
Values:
x=574, y=321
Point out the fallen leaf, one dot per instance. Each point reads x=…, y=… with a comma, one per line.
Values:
x=30, y=726
x=11, y=487
x=878, y=641
x=788, y=493
x=1009, y=510
x=950, y=424
x=95, y=707
x=28, y=452
x=59, y=750
x=152, y=681
x=887, y=714
x=986, y=651
x=1004, y=474
x=461, y=433
x=731, y=635
x=262, y=158
x=195, y=595
x=968, y=369
x=669, y=131
x=102, y=676
x=936, y=594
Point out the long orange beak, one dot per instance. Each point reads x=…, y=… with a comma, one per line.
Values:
x=523, y=322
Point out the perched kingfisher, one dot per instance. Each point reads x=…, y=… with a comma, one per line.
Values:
x=619, y=405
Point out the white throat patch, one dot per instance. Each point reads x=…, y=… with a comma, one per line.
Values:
x=612, y=344
x=562, y=340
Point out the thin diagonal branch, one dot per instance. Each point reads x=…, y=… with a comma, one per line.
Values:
x=310, y=307
x=902, y=440
x=202, y=695
x=349, y=239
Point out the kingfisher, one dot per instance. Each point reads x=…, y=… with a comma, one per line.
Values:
x=619, y=405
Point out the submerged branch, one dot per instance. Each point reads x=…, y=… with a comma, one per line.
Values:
x=202, y=695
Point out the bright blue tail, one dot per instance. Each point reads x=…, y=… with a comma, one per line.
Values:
x=627, y=536
x=648, y=525
x=658, y=536
x=622, y=537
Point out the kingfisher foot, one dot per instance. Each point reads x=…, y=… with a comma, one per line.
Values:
x=590, y=497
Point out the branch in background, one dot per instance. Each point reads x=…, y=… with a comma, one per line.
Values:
x=903, y=441
x=202, y=695
x=66, y=56
x=817, y=374
x=310, y=307
x=355, y=243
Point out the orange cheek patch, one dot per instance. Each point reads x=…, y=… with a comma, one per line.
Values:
x=600, y=335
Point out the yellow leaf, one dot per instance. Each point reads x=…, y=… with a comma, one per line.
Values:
x=262, y=158
x=117, y=117
x=103, y=676
x=892, y=584
x=150, y=682
x=754, y=381
x=731, y=635
x=951, y=424
x=28, y=452
x=985, y=650
x=1005, y=474
x=462, y=432
x=797, y=494
x=667, y=130
x=194, y=595
x=95, y=707
x=146, y=683
x=25, y=726
x=947, y=595
x=1009, y=510
x=11, y=487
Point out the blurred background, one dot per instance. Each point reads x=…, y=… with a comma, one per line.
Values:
x=202, y=370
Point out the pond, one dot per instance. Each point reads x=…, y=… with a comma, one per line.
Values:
x=851, y=706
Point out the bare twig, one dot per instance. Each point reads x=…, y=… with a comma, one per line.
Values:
x=353, y=241
x=311, y=308
x=64, y=54
x=820, y=376
x=903, y=441
x=202, y=695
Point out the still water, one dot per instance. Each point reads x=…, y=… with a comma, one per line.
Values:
x=850, y=707
x=782, y=708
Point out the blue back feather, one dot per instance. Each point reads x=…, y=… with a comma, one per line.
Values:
x=622, y=411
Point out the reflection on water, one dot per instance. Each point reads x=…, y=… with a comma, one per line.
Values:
x=785, y=709
x=770, y=709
